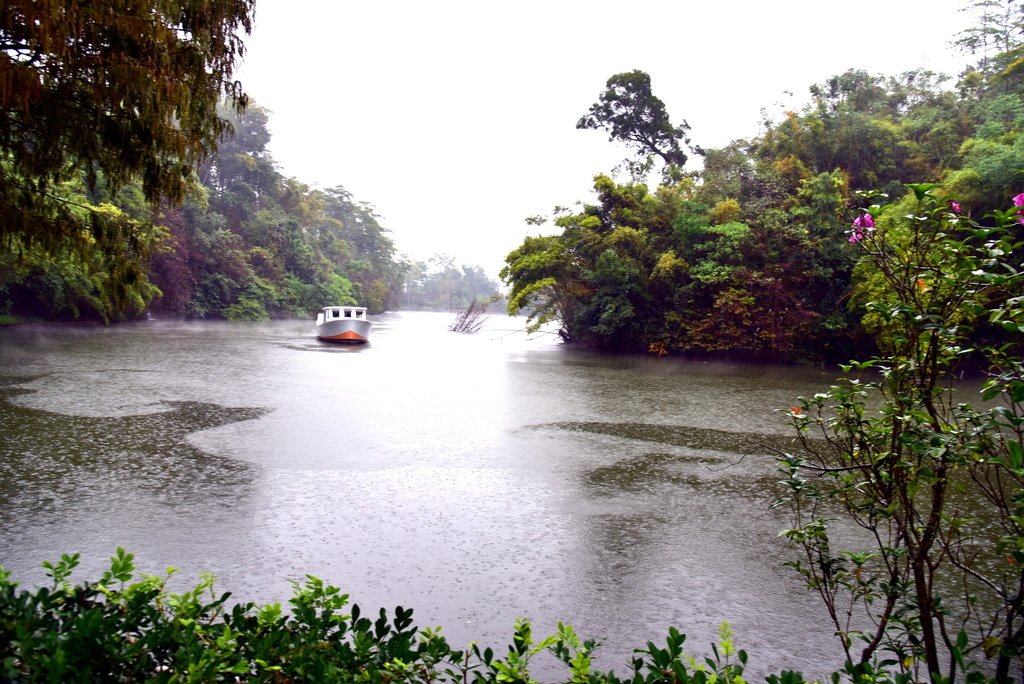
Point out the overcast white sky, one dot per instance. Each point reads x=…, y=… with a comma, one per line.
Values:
x=456, y=118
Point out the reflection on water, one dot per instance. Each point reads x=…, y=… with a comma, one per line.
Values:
x=705, y=456
x=646, y=471
x=477, y=478
x=690, y=437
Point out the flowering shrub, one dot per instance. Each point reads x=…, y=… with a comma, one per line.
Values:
x=934, y=589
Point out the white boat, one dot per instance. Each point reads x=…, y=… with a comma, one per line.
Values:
x=343, y=324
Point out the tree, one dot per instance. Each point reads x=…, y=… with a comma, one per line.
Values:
x=936, y=582
x=631, y=114
x=545, y=281
x=370, y=264
x=241, y=175
x=880, y=131
x=107, y=92
x=993, y=35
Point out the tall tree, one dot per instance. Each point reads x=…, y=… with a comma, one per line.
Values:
x=107, y=92
x=631, y=114
x=996, y=25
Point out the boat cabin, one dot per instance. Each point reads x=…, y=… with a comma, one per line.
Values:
x=337, y=313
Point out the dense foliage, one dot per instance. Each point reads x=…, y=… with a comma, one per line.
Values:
x=251, y=244
x=126, y=627
x=129, y=182
x=744, y=255
x=94, y=96
x=246, y=243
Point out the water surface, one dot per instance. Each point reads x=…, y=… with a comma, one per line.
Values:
x=475, y=478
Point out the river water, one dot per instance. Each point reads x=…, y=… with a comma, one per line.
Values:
x=474, y=478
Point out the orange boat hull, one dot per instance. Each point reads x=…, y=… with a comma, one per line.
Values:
x=347, y=336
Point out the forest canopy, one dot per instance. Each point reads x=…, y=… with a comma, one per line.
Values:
x=173, y=205
x=97, y=95
x=750, y=254
x=134, y=177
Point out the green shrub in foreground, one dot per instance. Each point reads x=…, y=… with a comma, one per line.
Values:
x=127, y=627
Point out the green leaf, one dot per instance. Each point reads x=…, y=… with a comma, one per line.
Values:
x=922, y=189
x=1016, y=453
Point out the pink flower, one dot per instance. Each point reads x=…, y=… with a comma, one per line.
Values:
x=864, y=221
x=1018, y=201
x=955, y=206
x=862, y=225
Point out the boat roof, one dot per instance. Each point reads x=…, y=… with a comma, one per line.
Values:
x=345, y=306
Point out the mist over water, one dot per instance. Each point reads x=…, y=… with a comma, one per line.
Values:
x=475, y=478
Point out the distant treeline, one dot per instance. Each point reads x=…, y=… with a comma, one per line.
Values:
x=245, y=244
x=751, y=255
x=442, y=285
